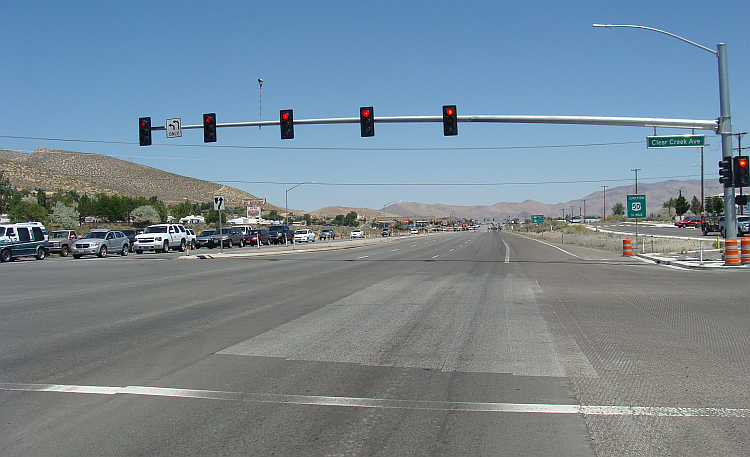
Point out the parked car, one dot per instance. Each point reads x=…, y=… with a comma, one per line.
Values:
x=689, y=221
x=743, y=226
x=327, y=234
x=204, y=239
x=386, y=232
x=357, y=233
x=415, y=231
x=161, y=237
x=23, y=240
x=100, y=243
x=229, y=236
x=304, y=235
x=131, y=233
x=244, y=229
x=252, y=237
x=61, y=241
x=280, y=234
x=191, y=236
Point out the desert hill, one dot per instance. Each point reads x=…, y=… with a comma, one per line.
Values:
x=94, y=173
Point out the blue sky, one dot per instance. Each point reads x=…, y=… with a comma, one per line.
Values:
x=88, y=70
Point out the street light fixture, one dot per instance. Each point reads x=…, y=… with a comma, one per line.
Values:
x=725, y=118
x=286, y=202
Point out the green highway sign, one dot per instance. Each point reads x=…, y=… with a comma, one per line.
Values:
x=676, y=141
x=537, y=218
x=636, y=206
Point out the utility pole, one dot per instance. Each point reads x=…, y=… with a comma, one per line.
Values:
x=636, y=170
x=604, y=214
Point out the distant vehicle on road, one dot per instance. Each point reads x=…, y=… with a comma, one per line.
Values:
x=204, y=239
x=304, y=235
x=23, y=240
x=357, y=233
x=281, y=234
x=689, y=221
x=327, y=234
x=230, y=236
x=386, y=232
x=61, y=241
x=101, y=243
x=131, y=233
x=252, y=237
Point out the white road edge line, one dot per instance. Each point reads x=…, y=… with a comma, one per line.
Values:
x=357, y=402
x=507, y=252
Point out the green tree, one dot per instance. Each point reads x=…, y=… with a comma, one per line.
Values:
x=6, y=191
x=64, y=216
x=145, y=215
x=695, y=205
x=160, y=208
x=618, y=209
x=681, y=205
x=41, y=198
x=669, y=205
x=24, y=211
x=273, y=215
x=181, y=210
x=715, y=205
x=211, y=216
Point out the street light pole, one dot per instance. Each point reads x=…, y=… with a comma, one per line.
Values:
x=725, y=118
x=604, y=214
x=286, y=205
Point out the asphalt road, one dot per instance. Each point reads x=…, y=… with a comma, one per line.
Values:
x=453, y=344
x=656, y=230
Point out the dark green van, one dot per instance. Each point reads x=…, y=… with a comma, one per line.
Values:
x=23, y=240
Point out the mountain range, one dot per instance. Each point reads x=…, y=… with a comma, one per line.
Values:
x=94, y=173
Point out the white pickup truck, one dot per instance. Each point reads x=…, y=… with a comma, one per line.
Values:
x=161, y=237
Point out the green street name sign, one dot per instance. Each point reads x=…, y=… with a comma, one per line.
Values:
x=677, y=141
x=636, y=206
x=537, y=218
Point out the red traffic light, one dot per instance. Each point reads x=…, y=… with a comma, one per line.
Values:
x=365, y=113
x=449, y=111
x=742, y=163
x=285, y=116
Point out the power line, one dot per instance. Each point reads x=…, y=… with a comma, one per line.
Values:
x=475, y=148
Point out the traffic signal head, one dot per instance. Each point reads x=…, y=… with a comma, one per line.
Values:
x=741, y=176
x=450, y=120
x=725, y=172
x=144, y=131
x=209, y=128
x=367, y=121
x=286, y=118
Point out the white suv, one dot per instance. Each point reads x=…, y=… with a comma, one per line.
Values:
x=161, y=237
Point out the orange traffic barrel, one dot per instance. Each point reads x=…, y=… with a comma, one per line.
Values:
x=627, y=247
x=745, y=250
x=731, y=255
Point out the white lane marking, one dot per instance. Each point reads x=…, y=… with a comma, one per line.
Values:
x=394, y=250
x=507, y=252
x=435, y=256
x=359, y=402
x=363, y=257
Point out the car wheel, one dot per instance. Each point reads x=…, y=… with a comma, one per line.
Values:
x=41, y=253
x=102, y=252
x=5, y=255
x=125, y=250
x=165, y=248
x=242, y=243
x=182, y=246
x=138, y=251
x=64, y=251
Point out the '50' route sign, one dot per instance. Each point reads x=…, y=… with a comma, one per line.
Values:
x=636, y=206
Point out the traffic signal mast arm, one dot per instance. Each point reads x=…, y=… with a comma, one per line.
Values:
x=712, y=125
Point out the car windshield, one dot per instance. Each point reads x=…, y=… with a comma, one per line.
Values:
x=156, y=229
x=98, y=235
x=2, y=231
x=275, y=228
x=301, y=232
x=58, y=234
x=254, y=232
x=207, y=232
